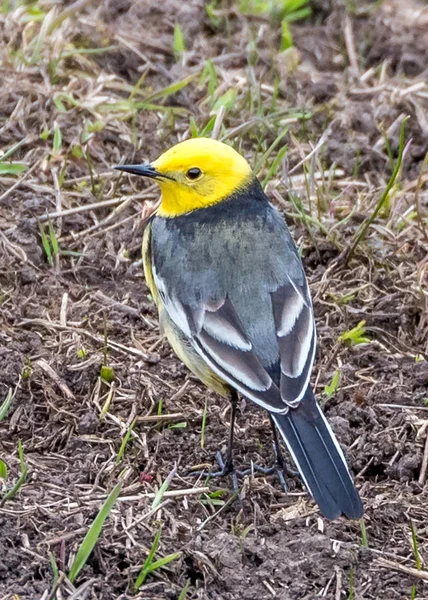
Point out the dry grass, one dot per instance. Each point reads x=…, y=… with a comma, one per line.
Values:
x=86, y=86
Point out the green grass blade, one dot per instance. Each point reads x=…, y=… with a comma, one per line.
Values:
x=53, y=239
x=415, y=547
x=125, y=441
x=143, y=573
x=4, y=408
x=11, y=150
x=150, y=565
x=46, y=245
x=363, y=530
x=158, y=498
x=361, y=233
x=12, y=168
x=183, y=593
x=93, y=534
x=54, y=567
x=3, y=470
x=22, y=478
x=162, y=562
x=330, y=389
x=179, y=45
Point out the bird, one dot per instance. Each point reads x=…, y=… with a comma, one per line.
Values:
x=235, y=305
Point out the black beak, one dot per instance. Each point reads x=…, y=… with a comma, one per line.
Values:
x=144, y=170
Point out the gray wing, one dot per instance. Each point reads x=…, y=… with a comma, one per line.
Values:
x=295, y=330
x=216, y=332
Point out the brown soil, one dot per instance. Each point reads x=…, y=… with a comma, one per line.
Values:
x=354, y=75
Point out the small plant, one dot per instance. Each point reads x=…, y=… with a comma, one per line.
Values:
x=330, y=389
x=151, y=565
x=363, y=530
x=4, y=407
x=415, y=547
x=363, y=229
x=163, y=488
x=22, y=477
x=93, y=534
x=125, y=442
x=50, y=243
x=183, y=593
x=179, y=46
x=356, y=335
x=106, y=372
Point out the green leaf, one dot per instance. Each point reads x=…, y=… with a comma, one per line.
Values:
x=184, y=591
x=363, y=530
x=11, y=150
x=170, y=89
x=12, y=168
x=22, y=478
x=3, y=470
x=125, y=441
x=4, y=408
x=46, y=244
x=182, y=425
x=53, y=238
x=93, y=534
x=415, y=547
x=356, y=335
x=107, y=374
x=228, y=100
x=179, y=45
x=286, y=37
x=330, y=389
x=149, y=566
x=57, y=140
x=158, y=498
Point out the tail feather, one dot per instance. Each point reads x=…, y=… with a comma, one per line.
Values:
x=319, y=459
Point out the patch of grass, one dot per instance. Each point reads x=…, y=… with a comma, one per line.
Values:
x=150, y=565
x=93, y=534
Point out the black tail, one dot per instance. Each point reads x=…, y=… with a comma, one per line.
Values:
x=319, y=459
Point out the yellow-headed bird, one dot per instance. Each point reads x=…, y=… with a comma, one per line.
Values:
x=235, y=305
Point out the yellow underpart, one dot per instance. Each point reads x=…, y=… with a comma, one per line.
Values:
x=224, y=172
x=183, y=350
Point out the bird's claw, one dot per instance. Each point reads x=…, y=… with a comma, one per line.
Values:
x=226, y=468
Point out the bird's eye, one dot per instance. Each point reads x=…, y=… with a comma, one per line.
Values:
x=194, y=173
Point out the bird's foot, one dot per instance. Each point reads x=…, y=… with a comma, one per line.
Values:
x=280, y=469
x=226, y=467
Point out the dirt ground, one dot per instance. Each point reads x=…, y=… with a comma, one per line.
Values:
x=85, y=86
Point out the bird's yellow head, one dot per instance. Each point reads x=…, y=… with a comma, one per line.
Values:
x=195, y=174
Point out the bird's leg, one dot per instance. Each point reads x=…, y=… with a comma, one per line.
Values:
x=226, y=466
